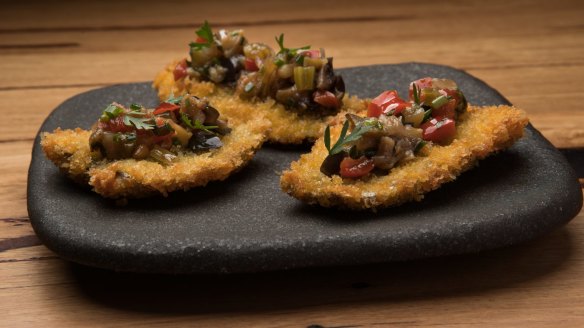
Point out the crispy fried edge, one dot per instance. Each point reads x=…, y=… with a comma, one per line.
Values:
x=129, y=178
x=482, y=131
x=69, y=151
x=287, y=127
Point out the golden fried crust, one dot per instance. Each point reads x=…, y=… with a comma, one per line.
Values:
x=287, y=126
x=481, y=131
x=69, y=150
x=129, y=178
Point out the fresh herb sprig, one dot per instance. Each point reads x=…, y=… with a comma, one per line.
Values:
x=288, y=51
x=344, y=140
x=141, y=123
x=416, y=93
x=174, y=100
x=196, y=125
x=136, y=107
x=205, y=33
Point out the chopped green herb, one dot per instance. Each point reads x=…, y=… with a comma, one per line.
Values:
x=355, y=135
x=196, y=125
x=204, y=33
x=327, y=138
x=299, y=60
x=419, y=146
x=140, y=123
x=427, y=115
x=136, y=107
x=358, y=132
x=186, y=120
x=279, y=62
x=163, y=130
x=288, y=51
x=416, y=93
x=207, y=128
x=280, y=41
x=339, y=144
x=113, y=111
x=173, y=100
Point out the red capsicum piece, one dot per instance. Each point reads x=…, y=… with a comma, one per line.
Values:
x=326, y=99
x=250, y=65
x=440, y=131
x=387, y=101
x=180, y=70
x=356, y=168
x=165, y=107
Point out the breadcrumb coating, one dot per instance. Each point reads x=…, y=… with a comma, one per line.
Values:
x=481, y=131
x=287, y=126
x=69, y=150
x=129, y=178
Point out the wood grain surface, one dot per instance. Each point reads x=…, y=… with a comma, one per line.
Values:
x=531, y=51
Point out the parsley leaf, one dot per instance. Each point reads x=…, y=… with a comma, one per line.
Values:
x=207, y=128
x=197, y=125
x=288, y=51
x=140, y=123
x=204, y=33
x=173, y=100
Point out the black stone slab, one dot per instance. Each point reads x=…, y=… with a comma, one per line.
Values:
x=247, y=224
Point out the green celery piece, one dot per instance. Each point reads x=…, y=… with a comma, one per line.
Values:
x=304, y=77
x=439, y=102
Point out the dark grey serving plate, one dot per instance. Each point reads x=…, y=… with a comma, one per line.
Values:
x=247, y=224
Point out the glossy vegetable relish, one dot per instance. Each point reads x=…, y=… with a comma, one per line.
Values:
x=395, y=129
x=301, y=79
x=181, y=124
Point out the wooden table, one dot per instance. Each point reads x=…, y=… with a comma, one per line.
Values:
x=531, y=51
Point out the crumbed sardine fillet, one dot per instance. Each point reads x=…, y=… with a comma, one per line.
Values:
x=481, y=131
x=129, y=178
x=287, y=126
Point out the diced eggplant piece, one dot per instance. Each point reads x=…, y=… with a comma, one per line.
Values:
x=332, y=164
x=202, y=140
x=211, y=115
